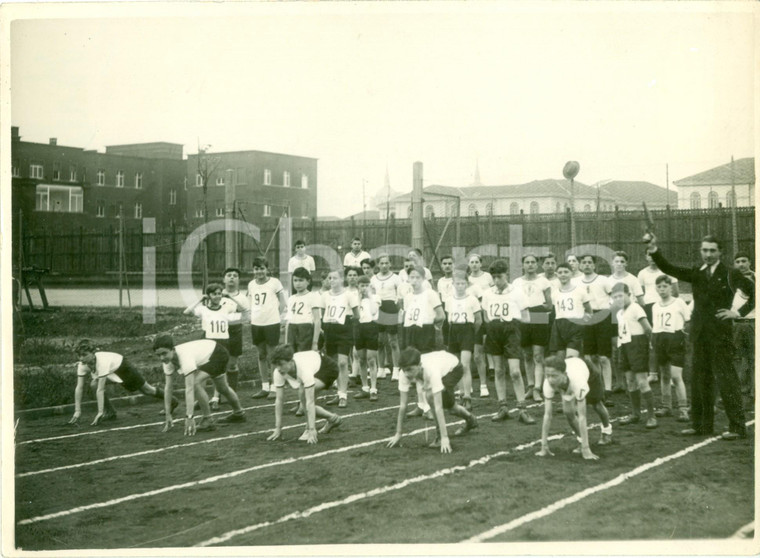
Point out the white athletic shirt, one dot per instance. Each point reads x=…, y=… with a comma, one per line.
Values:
x=598, y=290
x=352, y=260
x=215, y=323
x=628, y=323
x=265, y=303
x=500, y=306
x=577, y=374
x=462, y=310
x=105, y=365
x=338, y=306
x=435, y=366
x=554, y=281
x=300, y=307
x=445, y=288
x=307, y=365
x=386, y=288
x=671, y=317
x=569, y=304
x=295, y=262
x=419, y=309
x=368, y=309
x=483, y=282
x=647, y=278
x=633, y=284
x=531, y=293
x=191, y=355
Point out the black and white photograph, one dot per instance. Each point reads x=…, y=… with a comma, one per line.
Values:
x=378, y=278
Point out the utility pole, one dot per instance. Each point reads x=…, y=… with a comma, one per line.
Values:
x=230, y=236
x=417, y=230
x=734, y=233
x=667, y=186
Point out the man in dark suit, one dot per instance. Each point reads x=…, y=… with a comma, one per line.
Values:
x=713, y=287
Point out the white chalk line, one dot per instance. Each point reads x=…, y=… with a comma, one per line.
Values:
x=142, y=425
x=181, y=446
x=578, y=496
x=225, y=476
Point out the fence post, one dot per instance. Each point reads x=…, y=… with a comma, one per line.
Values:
x=81, y=249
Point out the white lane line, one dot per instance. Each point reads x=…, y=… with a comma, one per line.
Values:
x=578, y=496
x=217, y=478
x=180, y=446
x=746, y=532
x=143, y=425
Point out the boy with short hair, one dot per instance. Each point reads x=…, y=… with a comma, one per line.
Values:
x=268, y=303
x=386, y=285
x=231, y=281
x=106, y=366
x=580, y=383
x=366, y=342
x=301, y=259
x=437, y=373
x=501, y=312
x=633, y=339
x=304, y=316
x=196, y=361
x=309, y=373
x=465, y=318
x=356, y=255
x=368, y=267
x=572, y=309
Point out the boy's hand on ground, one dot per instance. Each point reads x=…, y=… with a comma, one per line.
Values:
x=394, y=441
x=311, y=437
x=97, y=419
x=445, y=446
x=168, y=425
x=190, y=426
x=75, y=419
x=276, y=435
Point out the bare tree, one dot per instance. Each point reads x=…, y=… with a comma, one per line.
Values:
x=207, y=167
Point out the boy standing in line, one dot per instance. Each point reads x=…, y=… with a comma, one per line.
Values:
x=231, y=281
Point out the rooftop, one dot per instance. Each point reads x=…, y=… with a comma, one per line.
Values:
x=744, y=173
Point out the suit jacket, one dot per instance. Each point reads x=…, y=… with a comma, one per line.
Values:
x=710, y=295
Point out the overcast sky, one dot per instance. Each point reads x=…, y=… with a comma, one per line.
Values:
x=521, y=89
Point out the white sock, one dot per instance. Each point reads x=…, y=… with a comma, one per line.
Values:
x=607, y=430
x=265, y=386
x=366, y=388
x=342, y=394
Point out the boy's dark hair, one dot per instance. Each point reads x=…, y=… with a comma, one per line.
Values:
x=302, y=273
x=529, y=255
x=622, y=254
x=236, y=270
x=282, y=352
x=498, y=267
x=408, y=357
x=620, y=287
x=416, y=251
x=592, y=256
x=363, y=280
x=260, y=262
x=549, y=256
x=298, y=243
x=163, y=341
x=713, y=239
x=742, y=255
x=563, y=265
x=369, y=261
x=663, y=279
x=447, y=257
x=212, y=287
x=357, y=270
x=85, y=346
x=356, y=238
x=556, y=363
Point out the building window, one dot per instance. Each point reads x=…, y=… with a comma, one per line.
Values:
x=64, y=199
x=429, y=211
x=56, y=171
x=489, y=209
x=712, y=200
x=533, y=207
x=730, y=199
x=220, y=181
x=15, y=169
x=514, y=208
x=286, y=179
x=101, y=177
x=36, y=171
x=120, y=179
x=471, y=211
x=409, y=211
x=267, y=177
x=199, y=208
x=304, y=181
x=267, y=210
x=138, y=180
x=695, y=200
x=198, y=180
x=138, y=211
x=101, y=209
x=72, y=174
x=172, y=197
x=220, y=211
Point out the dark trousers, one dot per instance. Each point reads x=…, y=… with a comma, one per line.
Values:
x=713, y=363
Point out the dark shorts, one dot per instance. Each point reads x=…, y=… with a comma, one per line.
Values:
x=503, y=339
x=461, y=338
x=450, y=382
x=670, y=348
x=300, y=336
x=217, y=362
x=387, y=318
x=480, y=334
x=339, y=338
x=595, y=386
x=236, y=340
x=421, y=338
x=328, y=372
x=634, y=356
x=130, y=376
x=223, y=342
x=269, y=335
x=534, y=335
x=597, y=337
x=566, y=335
x=366, y=336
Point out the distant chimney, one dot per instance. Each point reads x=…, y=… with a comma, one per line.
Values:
x=53, y=141
x=14, y=133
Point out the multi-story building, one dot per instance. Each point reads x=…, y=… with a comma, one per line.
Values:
x=712, y=188
x=267, y=185
x=629, y=194
x=56, y=187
